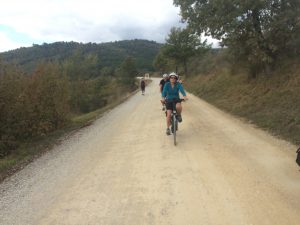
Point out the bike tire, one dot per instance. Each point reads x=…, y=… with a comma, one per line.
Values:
x=174, y=128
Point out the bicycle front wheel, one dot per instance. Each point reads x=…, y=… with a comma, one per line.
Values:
x=174, y=121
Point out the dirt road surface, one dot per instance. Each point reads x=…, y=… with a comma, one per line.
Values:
x=124, y=170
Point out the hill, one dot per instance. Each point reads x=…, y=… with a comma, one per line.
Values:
x=108, y=55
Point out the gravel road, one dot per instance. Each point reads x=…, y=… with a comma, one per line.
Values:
x=124, y=170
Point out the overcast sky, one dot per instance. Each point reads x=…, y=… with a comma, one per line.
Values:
x=23, y=23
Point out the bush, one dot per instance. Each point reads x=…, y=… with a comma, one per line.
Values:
x=31, y=106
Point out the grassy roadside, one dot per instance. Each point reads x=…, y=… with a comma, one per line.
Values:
x=33, y=149
x=271, y=102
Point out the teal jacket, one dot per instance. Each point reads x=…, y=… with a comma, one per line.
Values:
x=172, y=93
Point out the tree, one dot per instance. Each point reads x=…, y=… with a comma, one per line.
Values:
x=31, y=106
x=128, y=71
x=46, y=100
x=12, y=84
x=256, y=31
x=81, y=66
x=128, y=68
x=161, y=63
x=181, y=45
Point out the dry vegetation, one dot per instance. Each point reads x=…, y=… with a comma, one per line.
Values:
x=270, y=101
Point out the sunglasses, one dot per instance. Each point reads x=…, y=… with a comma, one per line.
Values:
x=172, y=78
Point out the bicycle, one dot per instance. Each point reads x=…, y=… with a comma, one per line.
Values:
x=174, y=121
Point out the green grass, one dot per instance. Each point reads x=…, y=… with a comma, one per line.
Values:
x=7, y=163
x=86, y=118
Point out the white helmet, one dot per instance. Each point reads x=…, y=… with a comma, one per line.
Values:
x=165, y=75
x=173, y=74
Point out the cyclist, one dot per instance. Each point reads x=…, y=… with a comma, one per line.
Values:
x=170, y=93
x=163, y=82
x=143, y=85
x=161, y=87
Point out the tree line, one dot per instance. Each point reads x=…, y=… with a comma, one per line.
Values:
x=105, y=57
x=256, y=34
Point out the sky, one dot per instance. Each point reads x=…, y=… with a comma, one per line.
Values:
x=23, y=23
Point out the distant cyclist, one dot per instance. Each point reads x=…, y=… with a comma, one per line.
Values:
x=170, y=93
x=143, y=86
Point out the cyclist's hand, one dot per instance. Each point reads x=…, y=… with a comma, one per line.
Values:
x=163, y=101
x=185, y=98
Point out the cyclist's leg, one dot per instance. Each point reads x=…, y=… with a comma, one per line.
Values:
x=168, y=118
x=179, y=110
x=169, y=112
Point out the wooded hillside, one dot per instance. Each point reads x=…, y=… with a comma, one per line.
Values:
x=106, y=57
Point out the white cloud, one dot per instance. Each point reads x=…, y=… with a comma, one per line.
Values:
x=90, y=20
x=86, y=20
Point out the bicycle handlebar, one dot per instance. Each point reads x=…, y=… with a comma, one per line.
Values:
x=174, y=100
x=180, y=100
